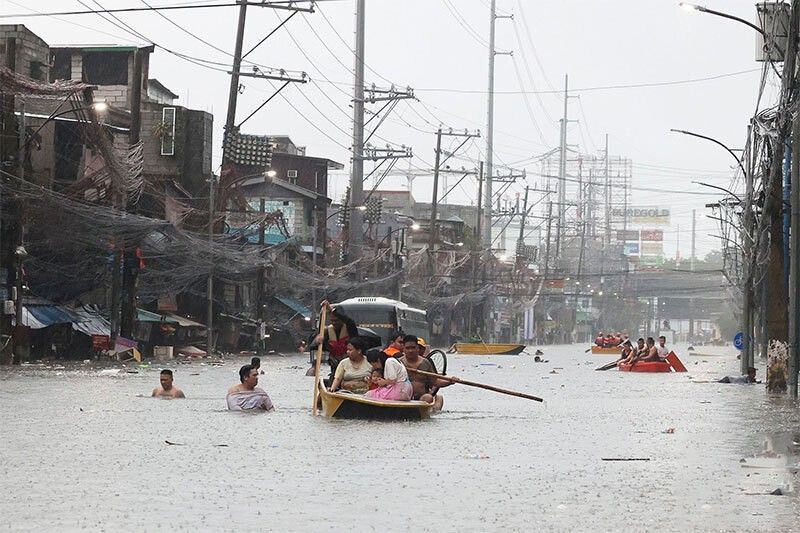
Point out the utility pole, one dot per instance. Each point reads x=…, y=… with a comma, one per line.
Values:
x=130, y=263
x=747, y=251
x=487, y=230
x=562, y=170
x=607, y=195
x=479, y=218
x=521, y=255
x=19, y=349
x=691, y=268
x=233, y=91
x=547, y=240
x=210, y=280
x=262, y=208
x=435, y=197
x=356, y=236
x=794, y=262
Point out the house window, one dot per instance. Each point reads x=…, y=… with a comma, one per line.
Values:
x=105, y=68
x=292, y=175
x=62, y=66
x=68, y=150
x=167, y=131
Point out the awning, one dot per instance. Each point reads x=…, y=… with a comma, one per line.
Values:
x=167, y=318
x=183, y=321
x=43, y=316
x=295, y=306
x=89, y=322
x=144, y=315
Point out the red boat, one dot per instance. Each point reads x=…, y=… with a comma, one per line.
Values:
x=671, y=363
x=646, y=366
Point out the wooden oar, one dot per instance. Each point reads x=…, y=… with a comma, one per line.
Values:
x=609, y=366
x=322, y=318
x=479, y=385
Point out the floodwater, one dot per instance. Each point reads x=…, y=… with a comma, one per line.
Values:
x=81, y=449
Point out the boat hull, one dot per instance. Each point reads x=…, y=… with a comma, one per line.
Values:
x=599, y=350
x=649, y=366
x=355, y=406
x=475, y=348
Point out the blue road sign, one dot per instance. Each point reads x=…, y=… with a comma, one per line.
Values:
x=738, y=341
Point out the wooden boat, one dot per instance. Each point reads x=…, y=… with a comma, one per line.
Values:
x=482, y=348
x=672, y=363
x=348, y=405
x=599, y=350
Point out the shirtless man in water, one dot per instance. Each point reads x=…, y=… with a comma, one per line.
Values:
x=246, y=395
x=423, y=385
x=167, y=390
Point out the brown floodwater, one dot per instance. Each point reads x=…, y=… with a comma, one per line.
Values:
x=85, y=448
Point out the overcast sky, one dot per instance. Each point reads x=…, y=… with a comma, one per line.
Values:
x=438, y=48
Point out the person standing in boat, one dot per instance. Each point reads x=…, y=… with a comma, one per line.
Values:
x=354, y=372
x=394, y=385
x=341, y=329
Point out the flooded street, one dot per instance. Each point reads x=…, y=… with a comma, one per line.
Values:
x=82, y=450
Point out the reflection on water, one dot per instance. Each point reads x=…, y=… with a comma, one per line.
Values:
x=84, y=448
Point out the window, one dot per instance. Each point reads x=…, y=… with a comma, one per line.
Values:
x=167, y=131
x=62, y=66
x=105, y=68
x=68, y=150
x=292, y=175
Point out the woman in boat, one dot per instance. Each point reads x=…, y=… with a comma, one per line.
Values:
x=353, y=373
x=394, y=385
x=637, y=352
x=337, y=335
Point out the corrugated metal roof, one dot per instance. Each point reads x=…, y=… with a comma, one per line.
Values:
x=295, y=306
x=90, y=322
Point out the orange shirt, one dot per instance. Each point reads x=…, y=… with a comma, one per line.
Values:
x=391, y=351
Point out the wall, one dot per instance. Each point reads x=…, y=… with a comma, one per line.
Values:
x=31, y=52
x=191, y=164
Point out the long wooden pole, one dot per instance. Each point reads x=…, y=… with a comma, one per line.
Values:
x=322, y=317
x=479, y=385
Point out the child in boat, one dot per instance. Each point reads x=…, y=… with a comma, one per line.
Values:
x=394, y=385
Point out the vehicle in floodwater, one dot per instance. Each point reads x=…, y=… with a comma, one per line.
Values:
x=384, y=316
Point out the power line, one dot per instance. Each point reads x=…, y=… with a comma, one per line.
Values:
x=279, y=4
x=595, y=88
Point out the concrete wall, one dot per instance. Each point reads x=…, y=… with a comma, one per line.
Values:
x=30, y=51
x=191, y=164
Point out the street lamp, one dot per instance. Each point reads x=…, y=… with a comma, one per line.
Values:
x=97, y=106
x=703, y=9
x=715, y=141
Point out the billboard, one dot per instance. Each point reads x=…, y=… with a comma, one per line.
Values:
x=644, y=216
x=652, y=248
x=631, y=248
x=628, y=235
x=652, y=235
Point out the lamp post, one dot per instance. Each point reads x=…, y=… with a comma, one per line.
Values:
x=702, y=9
x=98, y=106
x=747, y=289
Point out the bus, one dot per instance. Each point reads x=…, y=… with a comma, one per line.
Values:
x=383, y=316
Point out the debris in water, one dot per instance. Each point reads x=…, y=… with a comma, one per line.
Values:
x=476, y=456
x=175, y=443
x=669, y=431
x=777, y=492
x=625, y=459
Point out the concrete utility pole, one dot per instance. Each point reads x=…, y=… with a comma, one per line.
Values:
x=435, y=197
x=487, y=189
x=607, y=195
x=794, y=263
x=562, y=171
x=355, y=236
x=233, y=92
x=747, y=250
x=210, y=280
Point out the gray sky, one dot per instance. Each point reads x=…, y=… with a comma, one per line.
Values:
x=438, y=48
